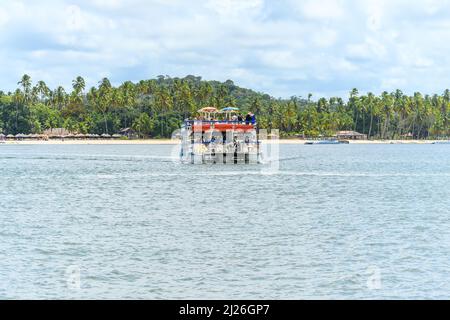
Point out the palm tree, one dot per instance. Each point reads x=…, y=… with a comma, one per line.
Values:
x=387, y=103
x=104, y=99
x=371, y=109
x=256, y=106
x=18, y=99
x=204, y=94
x=42, y=90
x=354, y=105
x=25, y=82
x=78, y=85
x=60, y=97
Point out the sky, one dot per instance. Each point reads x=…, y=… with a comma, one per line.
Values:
x=284, y=47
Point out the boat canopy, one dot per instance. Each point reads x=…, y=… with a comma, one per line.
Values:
x=208, y=110
x=230, y=109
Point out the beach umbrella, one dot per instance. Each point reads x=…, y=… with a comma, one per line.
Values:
x=80, y=136
x=116, y=136
x=105, y=135
x=2, y=135
x=230, y=109
x=10, y=136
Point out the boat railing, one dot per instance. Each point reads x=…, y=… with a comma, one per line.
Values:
x=189, y=123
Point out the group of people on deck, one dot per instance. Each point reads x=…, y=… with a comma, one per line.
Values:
x=250, y=118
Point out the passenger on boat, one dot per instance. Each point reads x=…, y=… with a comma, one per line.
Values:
x=253, y=119
x=239, y=118
x=248, y=118
x=234, y=118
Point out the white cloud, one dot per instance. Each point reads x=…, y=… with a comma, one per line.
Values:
x=326, y=37
x=110, y=4
x=3, y=17
x=369, y=49
x=235, y=8
x=325, y=9
x=285, y=47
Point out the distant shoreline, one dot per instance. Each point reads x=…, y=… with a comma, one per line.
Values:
x=173, y=142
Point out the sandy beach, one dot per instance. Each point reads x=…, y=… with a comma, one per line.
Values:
x=172, y=142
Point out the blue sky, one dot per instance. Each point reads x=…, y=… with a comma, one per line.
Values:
x=282, y=47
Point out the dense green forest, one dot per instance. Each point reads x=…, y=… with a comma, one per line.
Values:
x=156, y=107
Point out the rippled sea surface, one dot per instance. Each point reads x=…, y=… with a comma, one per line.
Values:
x=336, y=221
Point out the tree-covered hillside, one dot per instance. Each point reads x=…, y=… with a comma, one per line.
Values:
x=156, y=107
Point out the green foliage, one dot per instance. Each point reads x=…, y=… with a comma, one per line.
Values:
x=143, y=124
x=157, y=107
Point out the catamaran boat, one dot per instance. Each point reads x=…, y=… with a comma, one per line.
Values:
x=226, y=141
x=219, y=142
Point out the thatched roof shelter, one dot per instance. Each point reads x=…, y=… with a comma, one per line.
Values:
x=351, y=135
x=57, y=132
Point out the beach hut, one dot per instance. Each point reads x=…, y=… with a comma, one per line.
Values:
x=208, y=113
x=128, y=132
x=57, y=132
x=408, y=135
x=350, y=135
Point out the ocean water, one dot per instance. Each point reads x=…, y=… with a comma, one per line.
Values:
x=125, y=221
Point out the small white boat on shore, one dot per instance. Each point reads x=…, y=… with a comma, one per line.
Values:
x=330, y=141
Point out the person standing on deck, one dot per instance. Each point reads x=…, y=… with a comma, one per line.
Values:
x=248, y=118
x=253, y=119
